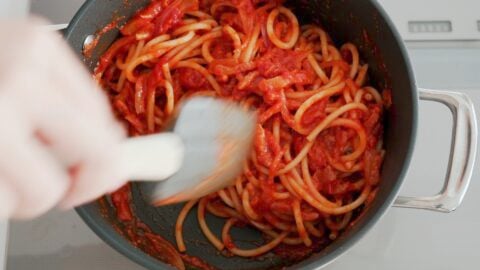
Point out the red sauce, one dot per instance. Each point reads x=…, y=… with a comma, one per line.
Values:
x=231, y=19
x=277, y=61
x=196, y=262
x=221, y=48
x=373, y=161
x=315, y=113
x=316, y=158
x=263, y=201
x=245, y=10
x=229, y=243
x=142, y=20
x=89, y=48
x=107, y=57
x=139, y=234
x=191, y=79
x=121, y=202
x=168, y=19
x=387, y=98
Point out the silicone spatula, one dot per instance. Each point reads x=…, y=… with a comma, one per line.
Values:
x=204, y=152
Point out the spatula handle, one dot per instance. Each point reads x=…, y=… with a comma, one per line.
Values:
x=152, y=158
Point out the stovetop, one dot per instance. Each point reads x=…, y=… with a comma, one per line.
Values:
x=402, y=239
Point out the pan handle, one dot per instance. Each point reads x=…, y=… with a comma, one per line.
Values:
x=462, y=154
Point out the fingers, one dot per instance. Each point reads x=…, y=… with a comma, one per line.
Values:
x=35, y=61
x=79, y=140
x=41, y=146
x=79, y=122
x=93, y=179
x=71, y=135
x=32, y=179
x=96, y=139
x=78, y=87
x=71, y=117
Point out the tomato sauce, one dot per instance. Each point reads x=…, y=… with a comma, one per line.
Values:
x=191, y=79
x=90, y=47
x=196, y=262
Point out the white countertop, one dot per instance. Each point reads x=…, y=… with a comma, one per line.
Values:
x=403, y=239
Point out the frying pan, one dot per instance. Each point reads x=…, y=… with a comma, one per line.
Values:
x=365, y=24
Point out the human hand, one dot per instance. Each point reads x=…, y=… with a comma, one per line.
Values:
x=58, y=134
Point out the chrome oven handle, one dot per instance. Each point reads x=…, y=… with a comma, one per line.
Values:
x=462, y=154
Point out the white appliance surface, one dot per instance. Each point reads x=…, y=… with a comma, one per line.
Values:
x=3, y=243
x=402, y=239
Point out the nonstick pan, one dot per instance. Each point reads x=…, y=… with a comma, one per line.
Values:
x=362, y=22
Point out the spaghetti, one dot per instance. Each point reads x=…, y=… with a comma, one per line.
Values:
x=318, y=142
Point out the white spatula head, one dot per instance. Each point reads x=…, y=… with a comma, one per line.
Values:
x=217, y=138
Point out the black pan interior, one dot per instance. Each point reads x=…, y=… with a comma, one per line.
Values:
x=362, y=22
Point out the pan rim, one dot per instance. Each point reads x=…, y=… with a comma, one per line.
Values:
x=122, y=245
